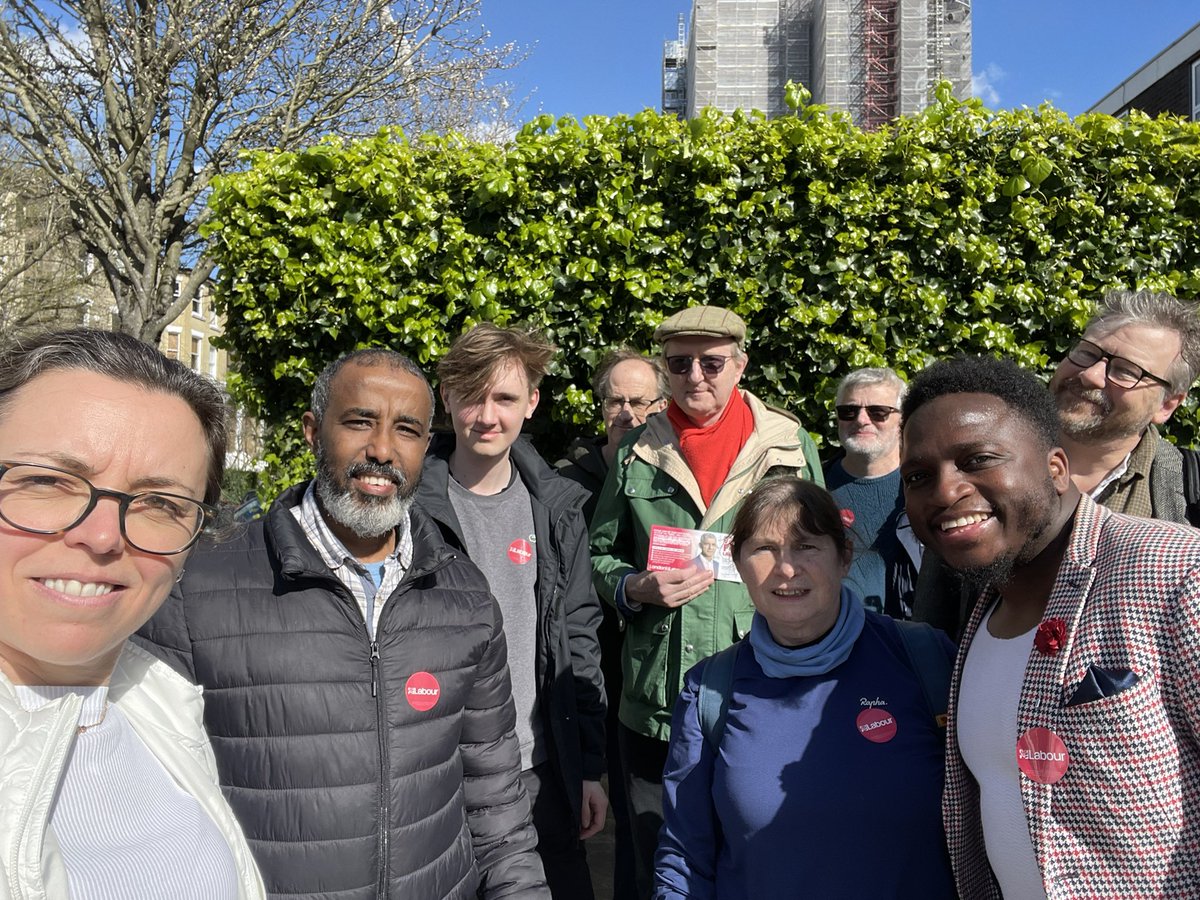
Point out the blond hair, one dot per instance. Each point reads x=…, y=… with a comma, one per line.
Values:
x=478, y=355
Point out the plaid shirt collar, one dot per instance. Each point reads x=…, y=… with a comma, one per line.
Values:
x=332, y=550
x=357, y=579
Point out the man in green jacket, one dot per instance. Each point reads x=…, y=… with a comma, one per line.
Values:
x=686, y=468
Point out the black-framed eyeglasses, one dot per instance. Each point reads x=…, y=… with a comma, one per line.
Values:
x=48, y=500
x=1117, y=369
x=639, y=405
x=848, y=412
x=709, y=365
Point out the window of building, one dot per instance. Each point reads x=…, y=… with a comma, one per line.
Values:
x=198, y=305
x=170, y=344
x=213, y=354
x=1196, y=91
x=197, y=352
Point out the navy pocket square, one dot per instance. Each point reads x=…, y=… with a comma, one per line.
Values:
x=1099, y=683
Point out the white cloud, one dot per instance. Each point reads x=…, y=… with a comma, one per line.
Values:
x=983, y=84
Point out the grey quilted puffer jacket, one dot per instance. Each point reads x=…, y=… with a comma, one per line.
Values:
x=346, y=778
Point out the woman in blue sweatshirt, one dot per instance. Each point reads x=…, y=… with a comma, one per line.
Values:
x=827, y=777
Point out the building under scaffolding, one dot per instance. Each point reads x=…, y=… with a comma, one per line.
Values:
x=875, y=59
x=674, y=74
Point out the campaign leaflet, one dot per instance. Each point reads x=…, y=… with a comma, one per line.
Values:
x=679, y=548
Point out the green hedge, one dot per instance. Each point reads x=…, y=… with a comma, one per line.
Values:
x=960, y=229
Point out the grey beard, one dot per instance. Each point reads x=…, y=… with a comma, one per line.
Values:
x=1100, y=425
x=366, y=516
x=1094, y=424
x=854, y=447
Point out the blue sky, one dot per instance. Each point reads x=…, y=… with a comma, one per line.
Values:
x=602, y=56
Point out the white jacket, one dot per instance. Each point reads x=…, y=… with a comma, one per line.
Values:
x=165, y=711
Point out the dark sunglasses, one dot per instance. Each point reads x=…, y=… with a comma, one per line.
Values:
x=709, y=365
x=877, y=414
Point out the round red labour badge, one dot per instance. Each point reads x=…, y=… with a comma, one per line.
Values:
x=422, y=691
x=876, y=724
x=1042, y=755
x=520, y=551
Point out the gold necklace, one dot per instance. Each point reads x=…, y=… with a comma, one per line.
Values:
x=104, y=712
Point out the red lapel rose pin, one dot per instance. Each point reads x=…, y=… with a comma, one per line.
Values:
x=847, y=517
x=1050, y=636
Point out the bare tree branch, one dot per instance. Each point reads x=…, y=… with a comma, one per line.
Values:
x=45, y=280
x=132, y=107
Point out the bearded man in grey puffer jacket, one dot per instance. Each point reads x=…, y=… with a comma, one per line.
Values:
x=355, y=670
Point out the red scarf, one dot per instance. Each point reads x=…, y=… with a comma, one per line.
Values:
x=710, y=450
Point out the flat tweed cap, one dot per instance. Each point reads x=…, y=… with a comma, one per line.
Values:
x=702, y=321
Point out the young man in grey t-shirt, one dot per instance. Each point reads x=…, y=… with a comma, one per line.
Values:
x=523, y=525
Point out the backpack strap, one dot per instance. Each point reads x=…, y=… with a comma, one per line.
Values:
x=1191, y=485
x=716, y=685
x=928, y=659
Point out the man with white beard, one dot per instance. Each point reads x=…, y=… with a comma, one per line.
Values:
x=354, y=669
x=865, y=481
x=1128, y=373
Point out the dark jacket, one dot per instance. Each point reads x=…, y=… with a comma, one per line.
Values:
x=343, y=786
x=571, y=687
x=584, y=464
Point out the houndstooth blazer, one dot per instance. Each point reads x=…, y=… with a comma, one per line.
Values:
x=1124, y=822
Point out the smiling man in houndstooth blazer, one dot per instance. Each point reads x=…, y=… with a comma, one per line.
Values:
x=1073, y=749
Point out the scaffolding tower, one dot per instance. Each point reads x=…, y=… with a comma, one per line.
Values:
x=880, y=31
x=674, y=74
x=937, y=39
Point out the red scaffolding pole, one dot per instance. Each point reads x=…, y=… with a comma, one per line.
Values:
x=880, y=30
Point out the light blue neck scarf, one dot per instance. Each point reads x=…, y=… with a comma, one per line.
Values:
x=815, y=659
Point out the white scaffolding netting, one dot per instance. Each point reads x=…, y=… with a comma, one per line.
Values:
x=873, y=58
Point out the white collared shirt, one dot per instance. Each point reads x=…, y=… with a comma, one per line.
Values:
x=1112, y=476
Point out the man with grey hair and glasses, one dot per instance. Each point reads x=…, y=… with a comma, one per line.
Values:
x=1128, y=373
x=629, y=387
x=865, y=481
x=355, y=671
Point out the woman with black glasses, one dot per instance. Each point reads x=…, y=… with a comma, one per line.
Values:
x=110, y=456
